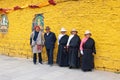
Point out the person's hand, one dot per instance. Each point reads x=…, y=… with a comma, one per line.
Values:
x=93, y=54
x=81, y=52
x=67, y=47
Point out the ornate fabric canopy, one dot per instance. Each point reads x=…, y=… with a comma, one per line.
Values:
x=43, y=4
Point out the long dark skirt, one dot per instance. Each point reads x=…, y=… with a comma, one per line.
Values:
x=87, y=60
x=74, y=60
x=62, y=57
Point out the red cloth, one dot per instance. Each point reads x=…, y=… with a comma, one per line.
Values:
x=4, y=10
x=52, y=2
x=39, y=47
x=17, y=7
x=33, y=6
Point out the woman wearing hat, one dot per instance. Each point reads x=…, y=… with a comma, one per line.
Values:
x=62, y=56
x=87, y=48
x=73, y=48
x=37, y=43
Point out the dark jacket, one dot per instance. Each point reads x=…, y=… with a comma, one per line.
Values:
x=50, y=40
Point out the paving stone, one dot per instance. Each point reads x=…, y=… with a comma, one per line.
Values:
x=23, y=69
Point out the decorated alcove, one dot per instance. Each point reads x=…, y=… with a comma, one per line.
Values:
x=4, y=24
x=38, y=20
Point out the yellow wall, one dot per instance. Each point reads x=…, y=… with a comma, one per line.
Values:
x=102, y=17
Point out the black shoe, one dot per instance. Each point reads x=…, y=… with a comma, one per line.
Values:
x=40, y=62
x=77, y=67
x=61, y=65
x=70, y=67
x=90, y=70
x=87, y=70
x=84, y=70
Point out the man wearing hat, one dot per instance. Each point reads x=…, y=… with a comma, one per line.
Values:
x=62, y=56
x=87, y=48
x=73, y=48
x=50, y=40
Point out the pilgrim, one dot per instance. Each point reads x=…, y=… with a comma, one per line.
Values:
x=62, y=56
x=50, y=40
x=87, y=48
x=73, y=49
x=37, y=42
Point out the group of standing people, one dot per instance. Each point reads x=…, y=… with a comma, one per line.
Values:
x=72, y=51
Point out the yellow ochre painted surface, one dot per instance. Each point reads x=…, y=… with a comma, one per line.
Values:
x=101, y=17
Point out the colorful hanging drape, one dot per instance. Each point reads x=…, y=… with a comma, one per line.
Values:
x=8, y=10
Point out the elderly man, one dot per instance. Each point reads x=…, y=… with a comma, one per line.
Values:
x=50, y=40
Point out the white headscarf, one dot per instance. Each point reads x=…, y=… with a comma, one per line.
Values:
x=70, y=37
x=59, y=37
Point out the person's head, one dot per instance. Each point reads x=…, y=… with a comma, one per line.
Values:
x=37, y=28
x=47, y=29
x=87, y=33
x=63, y=30
x=74, y=31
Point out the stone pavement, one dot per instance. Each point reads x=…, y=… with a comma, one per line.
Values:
x=23, y=69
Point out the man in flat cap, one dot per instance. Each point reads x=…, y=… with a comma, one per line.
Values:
x=50, y=40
